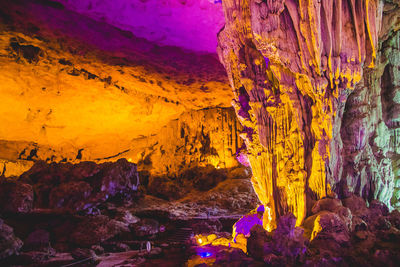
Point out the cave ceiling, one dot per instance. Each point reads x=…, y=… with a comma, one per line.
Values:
x=95, y=75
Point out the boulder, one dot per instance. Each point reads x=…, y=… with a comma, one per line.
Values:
x=145, y=228
x=292, y=246
x=385, y=257
x=378, y=208
x=346, y=216
x=394, y=218
x=95, y=229
x=255, y=243
x=356, y=205
x=203, y=178
x=328, y=204
x=87, y=255
x=286, y=226
x=115, y=247
x=165, y=188
x=70, y=196
x=126, y=217
x=81, y=186
x=274, y=260
x=234, y=257
x=329, y=225
x=286, y=245
x=37, y=240
x=9, y=243
x=383, y=223
x=15, y=197
x=99, y=250
x=358, y=224
x=114, y=178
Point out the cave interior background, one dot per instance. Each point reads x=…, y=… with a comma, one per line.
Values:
x=140, y=118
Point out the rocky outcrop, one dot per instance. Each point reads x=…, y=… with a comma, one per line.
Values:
x=196, y=139
x=370, y=239
x=15, y=197
x=366, y=160
x=9, y=244
x=78, y=89
x=292, y=66
x=83, y=186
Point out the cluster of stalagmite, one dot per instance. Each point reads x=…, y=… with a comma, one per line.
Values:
x=291, y=65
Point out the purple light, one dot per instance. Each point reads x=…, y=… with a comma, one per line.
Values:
x=244, y=224
x=266, y=62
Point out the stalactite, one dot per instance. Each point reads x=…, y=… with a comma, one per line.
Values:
x=315, y=50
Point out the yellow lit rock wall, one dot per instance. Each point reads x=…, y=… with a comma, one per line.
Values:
x=196, y=138
x=74, y=89
x=290, y=65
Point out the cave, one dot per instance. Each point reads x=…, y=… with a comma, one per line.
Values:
x=199, y=133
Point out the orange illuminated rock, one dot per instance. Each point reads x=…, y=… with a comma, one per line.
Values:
x=75, y=89
x=291, y=65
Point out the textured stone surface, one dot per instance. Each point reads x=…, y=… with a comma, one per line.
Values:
x=15, y=197
x=367, y=158
x=9, y=244
x=291, y=66
x=196, y=138
x=82, y=186
x=94, y=230
x=77, y=89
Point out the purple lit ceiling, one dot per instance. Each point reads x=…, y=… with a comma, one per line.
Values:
x=190, y=24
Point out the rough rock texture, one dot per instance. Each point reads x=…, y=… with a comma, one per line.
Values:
x=82, y=186
x=77, y=89
x=374, y=241
x=366, y=162
x=15, y=197
x=9, y=244
x=94, y=230
x=196, y=138
x=291, y=65
x=231, y=198
x=284, y=246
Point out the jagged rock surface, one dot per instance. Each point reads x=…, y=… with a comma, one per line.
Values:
x=9, y=244
x=83, y=186
x=76, y=89
x=291, y=66
x=15, y=197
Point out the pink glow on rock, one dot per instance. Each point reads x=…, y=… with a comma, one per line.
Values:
x=244, y=224
x=190, y=24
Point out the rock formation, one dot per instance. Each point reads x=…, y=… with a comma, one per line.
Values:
x=292, y=66
x=76, y=89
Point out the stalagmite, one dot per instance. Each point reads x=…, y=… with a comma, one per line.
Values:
x=291, y=65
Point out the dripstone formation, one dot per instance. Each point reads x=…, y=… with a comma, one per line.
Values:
x=307, y=85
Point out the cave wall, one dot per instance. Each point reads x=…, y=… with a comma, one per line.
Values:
x=366, y=161
x=292, y=66
x=196, y=138
x=76, y=89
